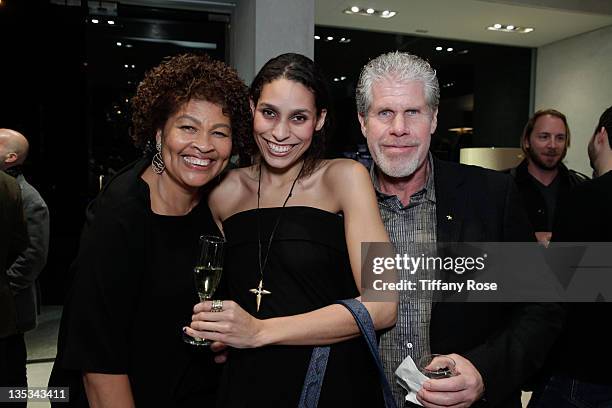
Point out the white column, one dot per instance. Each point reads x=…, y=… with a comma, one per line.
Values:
x=262, y=29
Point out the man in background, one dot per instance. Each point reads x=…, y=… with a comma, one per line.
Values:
x=576, y=373
x=13, y=240
x=25, y=269
x=542, y=178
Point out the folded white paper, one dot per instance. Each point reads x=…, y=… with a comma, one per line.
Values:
x=410, y=378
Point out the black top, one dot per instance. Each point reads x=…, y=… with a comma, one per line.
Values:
x=549, y=193
x=133, y=291
x=308, y=268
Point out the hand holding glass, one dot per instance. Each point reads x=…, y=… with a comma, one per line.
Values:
x=207, y=274
x=437, y=366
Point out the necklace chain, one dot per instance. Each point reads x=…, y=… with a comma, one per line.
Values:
x=262, y=265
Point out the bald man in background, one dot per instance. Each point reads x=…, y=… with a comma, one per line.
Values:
x=25, y=269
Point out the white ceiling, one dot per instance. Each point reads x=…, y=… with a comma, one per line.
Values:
x=553, y=20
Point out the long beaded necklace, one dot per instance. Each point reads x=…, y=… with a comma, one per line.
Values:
x=259, y=291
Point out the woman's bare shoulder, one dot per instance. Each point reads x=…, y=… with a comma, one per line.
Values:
x=342, y=171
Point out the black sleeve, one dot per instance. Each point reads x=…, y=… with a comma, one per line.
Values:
x=512, y=355
x=98, y=315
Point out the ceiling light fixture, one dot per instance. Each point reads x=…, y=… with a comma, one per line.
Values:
x=111, y=22
x=370, y=12
x=449, y=49
x=330, y=38
x=95, y=20
x=118, y=44
x=317, y=37
x=510, y=28
x=439, y=48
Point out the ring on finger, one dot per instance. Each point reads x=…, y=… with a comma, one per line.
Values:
x=217, y=306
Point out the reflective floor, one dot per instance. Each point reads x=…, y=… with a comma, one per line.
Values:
x=42, y=347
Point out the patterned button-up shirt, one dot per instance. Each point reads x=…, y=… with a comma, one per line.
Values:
x=408, y=226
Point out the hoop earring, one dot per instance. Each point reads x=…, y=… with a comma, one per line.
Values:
x=158, y=163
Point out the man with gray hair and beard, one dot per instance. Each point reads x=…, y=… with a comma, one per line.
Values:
x=423, y=200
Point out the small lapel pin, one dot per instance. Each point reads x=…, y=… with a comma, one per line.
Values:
x=449, y=217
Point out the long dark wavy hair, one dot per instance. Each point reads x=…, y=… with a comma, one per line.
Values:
x=301, y=69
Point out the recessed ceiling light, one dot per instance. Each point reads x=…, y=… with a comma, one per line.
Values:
x=439, y=48
x=110, y=22
x=125, y=65
x=95, y=20
x=342, y=78
x=336, y=79
x=128, y=45
x=510, y=28
x=449, y=49
x=370, y=12
x=345, y=40
x=330, y=38
x=316, y=37
x=118, y=44
x=133, y=66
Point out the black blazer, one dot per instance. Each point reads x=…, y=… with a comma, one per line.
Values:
x=506, y=342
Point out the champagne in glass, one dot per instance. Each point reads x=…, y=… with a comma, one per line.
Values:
x=207, y=274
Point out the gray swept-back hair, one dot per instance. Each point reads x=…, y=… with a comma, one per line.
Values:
x=399, y=66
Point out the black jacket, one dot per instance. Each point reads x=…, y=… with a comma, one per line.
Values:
x=532, y=198
x=585, y=217
x=506, y=342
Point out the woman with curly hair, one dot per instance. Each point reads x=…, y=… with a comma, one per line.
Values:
x=294, y=225
x=120, y=335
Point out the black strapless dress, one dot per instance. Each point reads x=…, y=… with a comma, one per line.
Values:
x=308, y=268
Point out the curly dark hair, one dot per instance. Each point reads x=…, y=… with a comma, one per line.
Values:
x=301, y=69
x=177, y=80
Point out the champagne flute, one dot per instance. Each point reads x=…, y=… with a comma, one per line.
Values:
x=207, y=274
